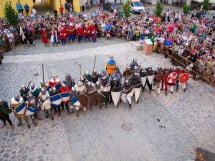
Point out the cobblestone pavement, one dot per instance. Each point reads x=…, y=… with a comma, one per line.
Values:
x=187, y=119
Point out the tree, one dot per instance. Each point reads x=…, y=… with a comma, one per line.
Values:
x=10, y=14
x=186, y=9
x=158, y=9
x=205, y=5
x=126, y=8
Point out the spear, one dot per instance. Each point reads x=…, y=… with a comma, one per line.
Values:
x=94, y=63
x=43, y=74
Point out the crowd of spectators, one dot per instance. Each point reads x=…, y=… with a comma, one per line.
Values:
x=192, y=38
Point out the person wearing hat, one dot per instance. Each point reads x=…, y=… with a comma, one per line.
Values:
x=4, y=114
x=111, y=66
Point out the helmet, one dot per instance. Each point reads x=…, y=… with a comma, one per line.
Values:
x=43, y=90
x=32, y=86
x=30, y=95
x=80, y=83
x=68, y=76
x=23, y=86
x=17, y=98
x=63, y=85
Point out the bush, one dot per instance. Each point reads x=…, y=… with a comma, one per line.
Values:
x=158, y=9
x=126, y=8
x=186, y=9
x=205, y=5
x=10, y=14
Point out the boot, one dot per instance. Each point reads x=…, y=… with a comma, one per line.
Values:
x=19, y=124
x=12, y=127
x=4, y=124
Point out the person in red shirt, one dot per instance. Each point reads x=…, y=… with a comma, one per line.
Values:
x=45, y=38
x=65, y=89
x=63, y=35
x=55, y=82
x=61, y=10
x=93, y=32
x=80, y=32
x=70, y=32
x=86, y=33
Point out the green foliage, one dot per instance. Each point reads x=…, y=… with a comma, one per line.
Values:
x=186, y=9
x=205, y=5
x=10, y=14
x=158, y=9
x=126, y=8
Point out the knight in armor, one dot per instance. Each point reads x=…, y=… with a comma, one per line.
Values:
x=172, y=84
x=87, y=76
x=127, y=92
x=69, y=81
x=133, y=65
x=95, y=76
x=116, y=87
x=115, y=83
x=143, y=76
x=105, y=88
x=4, y=114
x=31, y=102
x=90, y=87
x=158, y=79
x=24, y=91
x=16, y=102
x=45, y=103
x=117, y=74
x=55, y=82
x=65, y=103
x=53, y=92
x=80, y=88
x=150, y=77
x=34, y=91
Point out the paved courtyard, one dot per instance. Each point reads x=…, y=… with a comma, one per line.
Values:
x=159, y=128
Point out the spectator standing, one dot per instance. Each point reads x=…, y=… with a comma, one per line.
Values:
x=61, y=10
x=26, y=7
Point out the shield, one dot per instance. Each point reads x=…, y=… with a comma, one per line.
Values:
x=184, y=77
x=115, y=94
x=75, y=102
x=21, y=109
x=150, y=78
x=57, y=86
x=143, y=80
x=65, y=96
x=31, y=110
x=85, y=100
x=56, y=99
x=137, y=93
x=171, y=78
